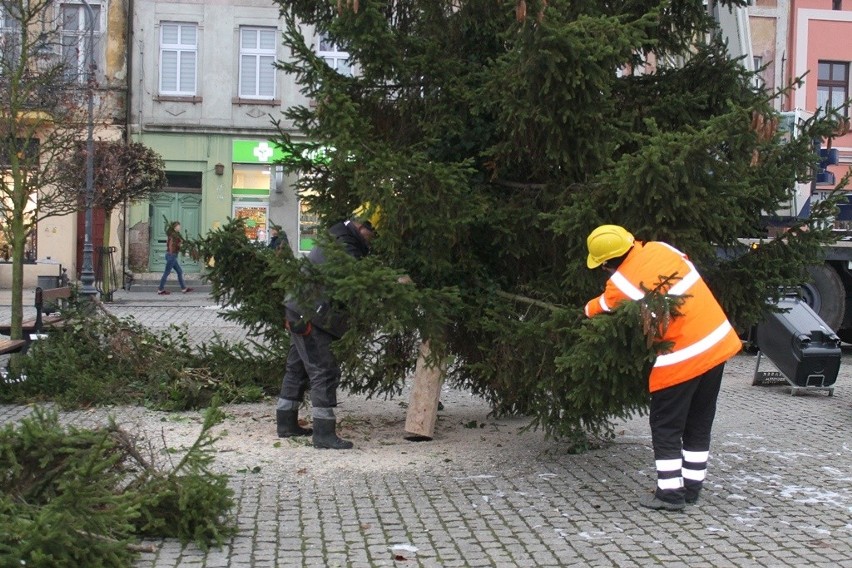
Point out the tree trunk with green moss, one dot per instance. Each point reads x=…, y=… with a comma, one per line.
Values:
x=18, y=242
x=107, y=285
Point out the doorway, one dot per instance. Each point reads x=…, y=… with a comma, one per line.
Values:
x=98, y=222
x=173, y=206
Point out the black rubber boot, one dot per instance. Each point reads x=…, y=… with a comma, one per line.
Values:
x=663, y=500
x=325, y=435
x=693, y=490
x=288, y=424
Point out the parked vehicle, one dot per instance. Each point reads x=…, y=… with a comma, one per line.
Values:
x=829, y=290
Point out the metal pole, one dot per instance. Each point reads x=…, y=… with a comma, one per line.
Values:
x=87, y=275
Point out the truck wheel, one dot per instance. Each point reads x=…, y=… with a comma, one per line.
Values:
x=825, y=295
x=845, y=335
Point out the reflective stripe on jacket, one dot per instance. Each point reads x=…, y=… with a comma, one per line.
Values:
x=701, y=335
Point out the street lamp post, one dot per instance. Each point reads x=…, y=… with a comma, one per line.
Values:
x=87, y=274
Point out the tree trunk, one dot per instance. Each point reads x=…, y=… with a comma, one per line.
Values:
x=106, y=273
x=425, y=397
x=19, y=238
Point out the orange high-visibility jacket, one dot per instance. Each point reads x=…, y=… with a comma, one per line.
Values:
x=702, y=336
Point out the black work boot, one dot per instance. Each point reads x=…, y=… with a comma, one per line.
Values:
x=692, y=492
x=325, y=435
x=288, y=424
x=663, y=500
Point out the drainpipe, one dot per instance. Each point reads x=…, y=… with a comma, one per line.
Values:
x=128, y=114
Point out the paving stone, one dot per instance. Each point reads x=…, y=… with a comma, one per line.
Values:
x=777, y=492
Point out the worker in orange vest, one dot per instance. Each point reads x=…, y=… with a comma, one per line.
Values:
x=684, y=382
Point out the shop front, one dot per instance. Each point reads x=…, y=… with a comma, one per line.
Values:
x=262, y=194
x=255, y=175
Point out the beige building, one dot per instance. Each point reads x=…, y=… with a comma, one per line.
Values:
x=58, y=241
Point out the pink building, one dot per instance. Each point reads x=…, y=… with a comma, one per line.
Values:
x=820, y=50
x=799, y=39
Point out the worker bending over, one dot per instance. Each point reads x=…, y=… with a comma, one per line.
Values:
x=684, y=382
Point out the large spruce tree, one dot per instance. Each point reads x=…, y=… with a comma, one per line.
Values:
x=494, y=135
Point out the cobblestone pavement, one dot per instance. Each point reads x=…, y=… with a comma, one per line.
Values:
x=779, y=489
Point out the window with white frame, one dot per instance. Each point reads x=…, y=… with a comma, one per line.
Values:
x=78, y=56
x=257, y=63
x=759, y=79
x=333, y=56
x=8, y=39
x=832, y=84
x=178, y=58
x=8, y=24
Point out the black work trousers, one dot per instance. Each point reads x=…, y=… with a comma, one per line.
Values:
x=681, y=420
x=311, y=364
x=682, y=415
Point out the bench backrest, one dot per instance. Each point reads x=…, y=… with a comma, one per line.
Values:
x=48, y=294
x=54, y=293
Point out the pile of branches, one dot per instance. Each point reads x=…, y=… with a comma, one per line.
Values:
x=85, y=497
x=99, y=359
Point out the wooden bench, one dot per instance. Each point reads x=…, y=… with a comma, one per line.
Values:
x=12, y=345
x=45, y=314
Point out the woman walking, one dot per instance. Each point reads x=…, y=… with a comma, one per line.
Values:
x=172, y=249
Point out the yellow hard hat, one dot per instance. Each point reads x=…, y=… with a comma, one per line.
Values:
x=607, y=242
x=368, y=213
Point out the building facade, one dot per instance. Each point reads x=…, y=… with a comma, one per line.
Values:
x=821, y=57
x=205, y=94
x=803, y=40
x=65, y=26
x=196, y=82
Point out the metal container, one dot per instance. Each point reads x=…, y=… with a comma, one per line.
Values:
x=800, y=344
x=47, y=282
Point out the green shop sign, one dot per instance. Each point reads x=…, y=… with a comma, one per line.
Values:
x=266, y=152
x=255, y=152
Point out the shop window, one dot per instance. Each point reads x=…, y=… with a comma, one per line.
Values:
x=833, y=85
x=251, y=179
x=31, y=245
x=308, y=226
x=255, y=217
x=250, y=189
x=28, y=149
